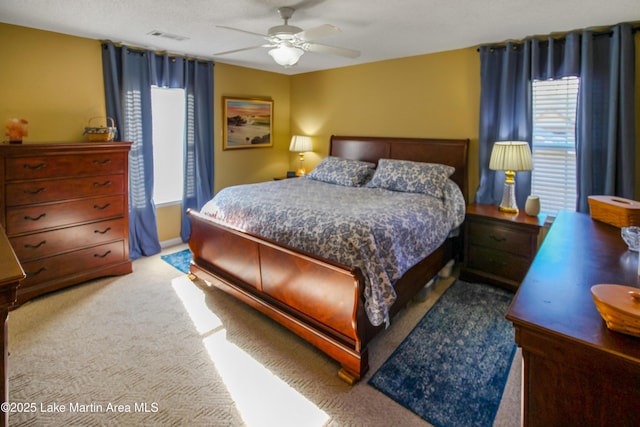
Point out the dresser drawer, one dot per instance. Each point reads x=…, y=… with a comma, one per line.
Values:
x=40, y=217
x=23, y=193
x=498, y=263
x=501, y=238
x=21, y=168
x=71, y=263
x=47, y=243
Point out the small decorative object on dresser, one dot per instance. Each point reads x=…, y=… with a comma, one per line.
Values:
x=16, y=129
x=616, y=211
x=532, y=206
x=499, y=247
x=65, y=210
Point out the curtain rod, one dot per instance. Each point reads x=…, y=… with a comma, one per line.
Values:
x=143, y=50
x=635, y=27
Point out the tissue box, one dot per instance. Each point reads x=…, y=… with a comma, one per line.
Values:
x=616, y=211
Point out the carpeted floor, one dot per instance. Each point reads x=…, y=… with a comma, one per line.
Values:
x=151, y=348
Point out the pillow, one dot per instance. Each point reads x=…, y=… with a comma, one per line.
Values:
x=350, y=173
x=411, y=177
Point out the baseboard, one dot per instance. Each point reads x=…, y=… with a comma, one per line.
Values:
x=171, y=242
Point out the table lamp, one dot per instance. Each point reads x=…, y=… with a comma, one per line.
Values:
x=510, y=157
x=300, y=144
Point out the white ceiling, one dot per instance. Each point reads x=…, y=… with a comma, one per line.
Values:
x=380, y=29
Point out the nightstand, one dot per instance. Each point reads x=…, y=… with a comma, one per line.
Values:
x=499, y=247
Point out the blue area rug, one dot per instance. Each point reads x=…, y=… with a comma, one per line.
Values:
x=179, y=260
x=452, y=368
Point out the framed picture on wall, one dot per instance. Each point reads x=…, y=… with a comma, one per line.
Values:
x=247, y=123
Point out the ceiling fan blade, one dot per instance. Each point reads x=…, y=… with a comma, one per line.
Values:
x=332, y=50
x=241, y=50
x=318, y=32
x=242, y=31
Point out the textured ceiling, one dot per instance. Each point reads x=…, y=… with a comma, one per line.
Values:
x=380, y=29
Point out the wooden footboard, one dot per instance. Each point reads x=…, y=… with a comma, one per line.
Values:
x=321, y=301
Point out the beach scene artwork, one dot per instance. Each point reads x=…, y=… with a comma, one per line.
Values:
x=247, y=123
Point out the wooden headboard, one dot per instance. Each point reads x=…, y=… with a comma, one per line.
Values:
x=451, y=152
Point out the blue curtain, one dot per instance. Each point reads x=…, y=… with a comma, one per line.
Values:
x=605, y=135
x=605, y=132
x=505, y=114
x=128, y=77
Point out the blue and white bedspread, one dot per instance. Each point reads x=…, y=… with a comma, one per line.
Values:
x=382, y=232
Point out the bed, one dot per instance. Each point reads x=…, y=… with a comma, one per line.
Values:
x=334, y=299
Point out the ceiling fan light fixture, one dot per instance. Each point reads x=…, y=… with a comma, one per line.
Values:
x=286, y=55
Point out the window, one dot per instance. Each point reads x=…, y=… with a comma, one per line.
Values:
x=554, y=145
x=168, y=110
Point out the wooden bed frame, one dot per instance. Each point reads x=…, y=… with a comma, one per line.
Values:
x=321, y=301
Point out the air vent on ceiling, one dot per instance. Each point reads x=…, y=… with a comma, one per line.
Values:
x=176, y=37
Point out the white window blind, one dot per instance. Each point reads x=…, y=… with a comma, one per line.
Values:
x=553, y=147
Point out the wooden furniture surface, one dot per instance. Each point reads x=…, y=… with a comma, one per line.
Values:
x=10, y=276
x=576, y=372
x=499, y=247
x=64, y=208
x=321, y=301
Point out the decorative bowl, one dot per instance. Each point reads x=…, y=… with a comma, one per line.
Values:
x=619, y=306
x=631, y=236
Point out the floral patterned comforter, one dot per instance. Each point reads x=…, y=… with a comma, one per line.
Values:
x=382, y=232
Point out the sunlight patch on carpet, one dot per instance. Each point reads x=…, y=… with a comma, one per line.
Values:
x=261, y=398
x=452, y=368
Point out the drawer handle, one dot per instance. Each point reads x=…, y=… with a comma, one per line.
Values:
x=106, y=230
x=30, y=246
x=33, y=192
x=497, y=239
x=36, y=167
x=41, y=270
x=102, y=185
x=101, y=162
x=103, y=207
x=31, y=218
x=104, y=255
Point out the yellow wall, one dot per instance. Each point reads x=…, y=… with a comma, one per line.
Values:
x=248, y=165
x=423, y=96
x=52, y=80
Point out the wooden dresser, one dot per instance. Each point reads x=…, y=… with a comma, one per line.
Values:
x=576, y=372
x=10, y=276
x=64, y=208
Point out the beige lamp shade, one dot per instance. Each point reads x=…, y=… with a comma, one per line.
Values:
x=300, y=144
x=511, y=156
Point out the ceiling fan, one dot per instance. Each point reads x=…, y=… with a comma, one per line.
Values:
x=288, y=42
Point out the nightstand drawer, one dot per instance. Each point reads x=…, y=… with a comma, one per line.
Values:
x=499, y=263
x=500, y=238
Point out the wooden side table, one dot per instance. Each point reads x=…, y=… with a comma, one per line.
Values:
x=499, y=247
x=10, y=275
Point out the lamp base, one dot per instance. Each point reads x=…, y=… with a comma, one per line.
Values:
x=508, y=203
x=301, y=170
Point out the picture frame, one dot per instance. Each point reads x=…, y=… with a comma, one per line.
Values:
x=247, y=123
